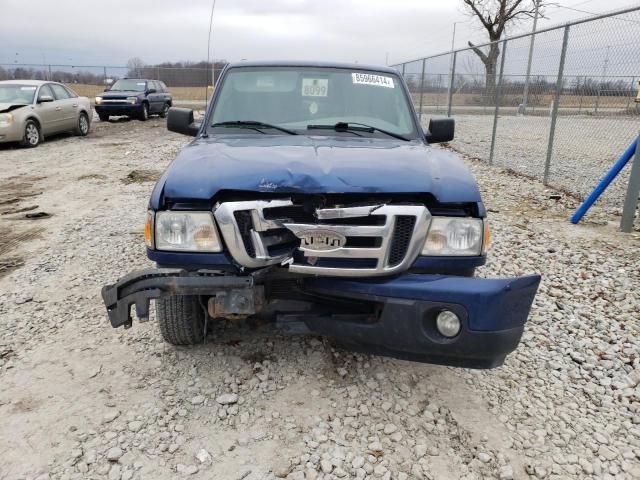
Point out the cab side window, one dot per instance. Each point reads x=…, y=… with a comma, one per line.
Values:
x=59, y=91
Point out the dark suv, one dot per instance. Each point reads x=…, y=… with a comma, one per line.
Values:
x=134, y=97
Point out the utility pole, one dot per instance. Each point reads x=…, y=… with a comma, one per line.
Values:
x=525, y=98
x=213, y=68
x=451, y=65
x=605, y=68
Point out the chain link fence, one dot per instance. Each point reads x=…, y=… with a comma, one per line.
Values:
x=562, y=115
x=188, y=85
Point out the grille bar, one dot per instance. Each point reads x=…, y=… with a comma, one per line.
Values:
x=402, y=238
x=392, y=246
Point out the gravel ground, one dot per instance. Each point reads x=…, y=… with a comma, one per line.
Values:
x=584, y=149
x=81, y=400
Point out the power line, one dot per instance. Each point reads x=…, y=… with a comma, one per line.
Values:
x=594, y=14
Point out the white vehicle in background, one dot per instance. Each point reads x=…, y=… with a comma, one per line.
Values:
x=33, y=109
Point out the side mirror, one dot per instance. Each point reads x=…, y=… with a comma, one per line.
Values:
x=106, y=89
x=180, y=120
x=440, y=130
x=45, y=98
x=151, y=90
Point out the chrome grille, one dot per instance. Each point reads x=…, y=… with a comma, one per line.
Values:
x=367, y=240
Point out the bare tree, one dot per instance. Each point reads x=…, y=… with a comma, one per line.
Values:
x=495, y=16
x=134, y=66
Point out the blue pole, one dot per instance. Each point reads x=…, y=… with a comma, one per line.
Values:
x=605, y=182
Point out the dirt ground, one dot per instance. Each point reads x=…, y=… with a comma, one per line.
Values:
x=79, y=399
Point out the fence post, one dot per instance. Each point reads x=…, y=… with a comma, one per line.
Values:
x=424, y=60
x=633, y=191
x=498, y=97
x=556, y=104
x=50, y=77
x=581, y=94
x=451, y=84
x=633, y=81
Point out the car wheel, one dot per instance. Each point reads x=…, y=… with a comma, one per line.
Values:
x=181, y=319
x=103, y=117
x=32, y=136
x=83, y=125
x=144, y=114
x=165, y=110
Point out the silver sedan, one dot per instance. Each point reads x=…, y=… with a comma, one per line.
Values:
x=33, y=109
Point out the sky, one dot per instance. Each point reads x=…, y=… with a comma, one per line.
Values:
x=87, y=32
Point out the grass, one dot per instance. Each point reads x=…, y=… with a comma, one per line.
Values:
x=179, y=93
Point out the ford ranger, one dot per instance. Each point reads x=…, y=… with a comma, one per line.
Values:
x=311, y=195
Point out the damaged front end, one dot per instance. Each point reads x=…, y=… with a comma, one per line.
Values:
x=345, y=270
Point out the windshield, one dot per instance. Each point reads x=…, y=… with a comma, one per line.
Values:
x=129, y=86
x=296, y=98
x=17, y=94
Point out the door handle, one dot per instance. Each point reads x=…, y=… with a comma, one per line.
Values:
x=75, y=105
x=58, y=109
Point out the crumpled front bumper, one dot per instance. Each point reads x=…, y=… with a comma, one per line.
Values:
x=493, y=312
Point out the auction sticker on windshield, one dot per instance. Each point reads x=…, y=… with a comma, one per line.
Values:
x=315, y=87
x=371, y=79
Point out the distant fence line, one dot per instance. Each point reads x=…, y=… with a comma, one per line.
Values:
x=197, y=75
x=562, y=114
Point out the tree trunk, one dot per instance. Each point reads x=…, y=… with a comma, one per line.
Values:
x=491, y=70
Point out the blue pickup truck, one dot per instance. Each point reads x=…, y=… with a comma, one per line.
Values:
x=312, y=196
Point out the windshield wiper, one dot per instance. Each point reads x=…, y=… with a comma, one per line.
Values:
x=360, y=127
x=255, y=125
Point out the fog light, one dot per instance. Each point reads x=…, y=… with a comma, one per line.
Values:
x=448, y=323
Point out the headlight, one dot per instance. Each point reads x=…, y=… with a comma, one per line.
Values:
x=98, y=100
x=148, y=229
x=451, y=236
x=6, y=119
x=132, y=100
x=186, y=231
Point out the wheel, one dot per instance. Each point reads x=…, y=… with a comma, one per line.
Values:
x=103, y=117
x=144, y=113
x=181, y=319
x=83, y=125
x=32, y=136
x=165, y=110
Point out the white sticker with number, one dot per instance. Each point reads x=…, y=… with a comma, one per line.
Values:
x=315, y=87
x=371, y=79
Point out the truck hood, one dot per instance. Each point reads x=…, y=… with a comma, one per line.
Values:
x=303, y=164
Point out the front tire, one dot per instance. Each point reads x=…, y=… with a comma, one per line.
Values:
x=82, y=129
x=32, y=136
x=103, y=117
x=181, y=319
x=165, y=110
x=144, y=113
